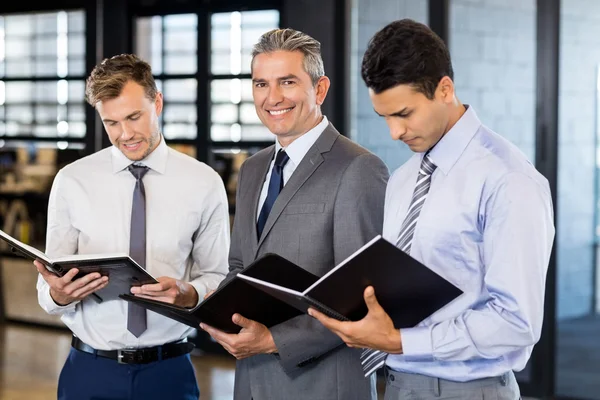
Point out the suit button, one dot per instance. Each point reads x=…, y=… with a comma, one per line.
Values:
x=392, y=378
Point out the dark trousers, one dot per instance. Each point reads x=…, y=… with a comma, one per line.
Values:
x=88, y=377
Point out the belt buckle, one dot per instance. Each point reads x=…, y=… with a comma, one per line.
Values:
x=129, y=356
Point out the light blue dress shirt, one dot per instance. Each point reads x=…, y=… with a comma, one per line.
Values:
x=487, y=227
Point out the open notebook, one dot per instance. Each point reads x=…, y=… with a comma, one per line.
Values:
x=122, y=271
x=273, y=289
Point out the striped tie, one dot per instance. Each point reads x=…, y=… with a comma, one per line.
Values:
x=370, y=359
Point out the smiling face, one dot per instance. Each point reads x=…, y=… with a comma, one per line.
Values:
x=286, y=100
x=131, y=121
x=412, y=117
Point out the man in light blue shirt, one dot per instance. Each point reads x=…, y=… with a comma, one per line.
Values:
x=469, y=206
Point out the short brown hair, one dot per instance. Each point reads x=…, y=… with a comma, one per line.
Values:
x=291, y=40
x=110, y=76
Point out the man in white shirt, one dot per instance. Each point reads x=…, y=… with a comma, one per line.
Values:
x=167, y=210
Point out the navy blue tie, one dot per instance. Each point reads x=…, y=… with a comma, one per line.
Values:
x=275, y=186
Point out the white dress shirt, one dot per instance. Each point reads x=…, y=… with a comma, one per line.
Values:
x=187, y=235
x=296, y=152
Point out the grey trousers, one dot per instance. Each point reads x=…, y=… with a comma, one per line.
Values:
x=403, y=386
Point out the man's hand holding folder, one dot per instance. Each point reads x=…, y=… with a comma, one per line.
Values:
x=254, y=338
x=375, y=331
x=168, y=290
x=65, y=289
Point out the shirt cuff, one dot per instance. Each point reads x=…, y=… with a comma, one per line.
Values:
x=416, y=344
x=200, y=289
x=55, y=309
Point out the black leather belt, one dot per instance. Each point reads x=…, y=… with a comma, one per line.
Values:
x=138, y=356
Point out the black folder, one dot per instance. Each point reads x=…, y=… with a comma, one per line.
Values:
x=272, y=290
x=122, y=271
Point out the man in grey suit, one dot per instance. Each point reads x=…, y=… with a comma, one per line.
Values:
x=314, y=197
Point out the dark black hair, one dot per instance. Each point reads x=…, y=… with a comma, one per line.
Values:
x=406, y=52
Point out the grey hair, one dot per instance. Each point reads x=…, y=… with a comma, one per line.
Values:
x=291, y=40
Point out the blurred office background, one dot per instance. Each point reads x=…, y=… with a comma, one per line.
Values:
x=530, y=68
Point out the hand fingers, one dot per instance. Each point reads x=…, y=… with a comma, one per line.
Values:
x=90, y=288
x=41, y=268
x=242, y=321
x=218, y=335
x=370, y=299
x=163, y=299
x=155, y=287
x=83, y=284
x=329, y=323
x=207, y=295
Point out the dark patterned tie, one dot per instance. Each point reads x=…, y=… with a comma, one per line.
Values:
x=136, y=315
x=370, y=359
x=275, y=186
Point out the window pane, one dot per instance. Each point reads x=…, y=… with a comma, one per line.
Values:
x=180, y=131
x=76, y=21
x=248, y=114
x=234, y=34
x=20, y=113
x=18, y=25
x=182, y=41
x=220, y=39
x=260, y=18
x=180, y=113
x=47, y=114
x=19, y=92
x=77, y=66
x=76, y=129
x=76, y=91
x=76, y=43
x=46, y=46
x=220, y=63
x=45, y=130
x=181, y=21
x=149, y=41
x=224, y=113
x=180, y=64
x=220, y=133
x=256, y=132
x=40, y=44
x=46, y=24
x=250, y=36
x=46, y=67
x=246, y=62
x=17, y=47
x=76, y=112
x=231, y=91
x=45, y=91
x=180, y=90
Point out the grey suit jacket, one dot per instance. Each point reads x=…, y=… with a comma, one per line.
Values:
x=331, y=206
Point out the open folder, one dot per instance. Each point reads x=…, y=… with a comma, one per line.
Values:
x=122, y=271
x=273, y=289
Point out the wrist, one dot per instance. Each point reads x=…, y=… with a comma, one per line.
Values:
x=192, y=297
x=395, y=342
x=58, y=299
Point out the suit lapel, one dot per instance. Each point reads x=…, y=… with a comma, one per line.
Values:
x=307, y=167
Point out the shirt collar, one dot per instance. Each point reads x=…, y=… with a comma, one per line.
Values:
x=299, y=147
x=156, y=161
x=448, y=150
